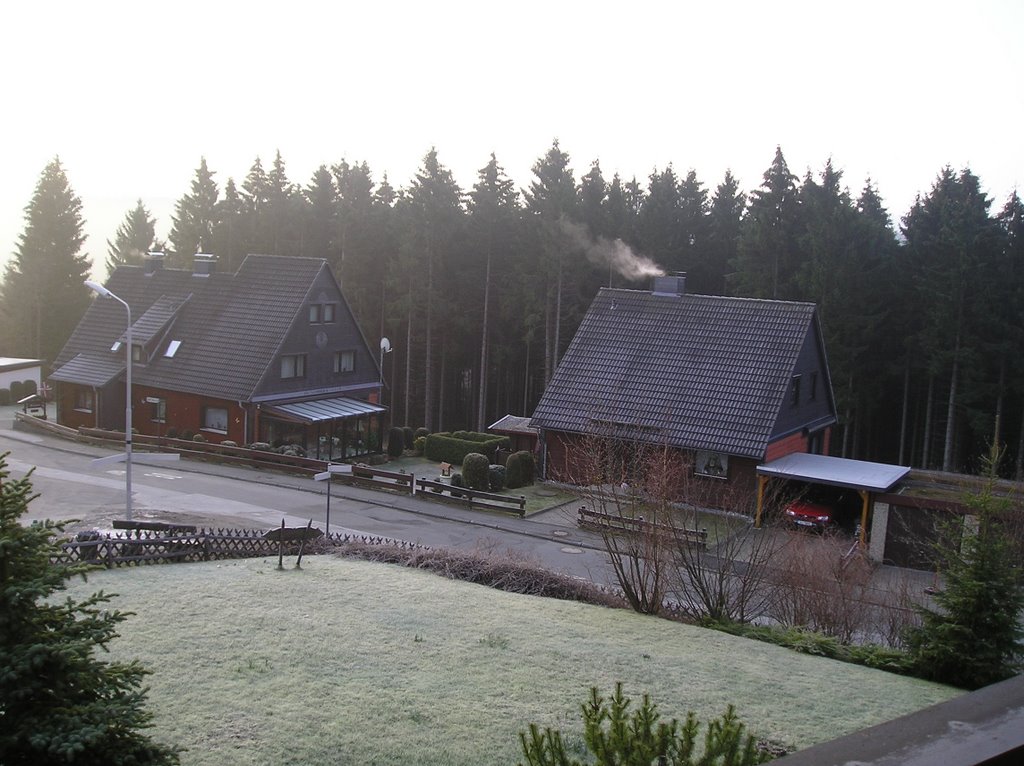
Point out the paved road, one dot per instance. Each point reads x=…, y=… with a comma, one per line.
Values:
x=70, y=487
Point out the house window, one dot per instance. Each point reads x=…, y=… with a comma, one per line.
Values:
x=713, y=464
x=83, y=400
x=136, y=353
x=794, y=390
x=814, y=386
x=321, y=313
x=293, y=366
x=158, y=411
x=215, y=419
x=344, y=361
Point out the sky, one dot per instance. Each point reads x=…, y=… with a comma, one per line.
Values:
x=132, y=95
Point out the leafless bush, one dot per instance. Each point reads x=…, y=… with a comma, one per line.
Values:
x=502, y=571
x=823, y=586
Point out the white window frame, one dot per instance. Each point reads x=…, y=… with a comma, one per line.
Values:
x=340, y=356
x=293, y=366
x=213, y=423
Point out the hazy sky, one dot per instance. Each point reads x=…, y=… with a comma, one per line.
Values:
x=130, y=95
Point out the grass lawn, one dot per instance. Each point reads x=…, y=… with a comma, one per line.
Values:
x=352, y=662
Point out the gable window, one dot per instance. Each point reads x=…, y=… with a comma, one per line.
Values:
x=814, y=386
x=215, y=419
x=83, y=400
x=321, y=313
x=794, y=390
x=713, y=464
x=344, y=361
x=293, y=366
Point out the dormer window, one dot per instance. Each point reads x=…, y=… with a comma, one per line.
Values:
x=137, y=355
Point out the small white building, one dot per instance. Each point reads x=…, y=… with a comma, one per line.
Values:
x=24, y=371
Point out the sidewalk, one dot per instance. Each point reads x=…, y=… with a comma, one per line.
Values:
x=556, y=524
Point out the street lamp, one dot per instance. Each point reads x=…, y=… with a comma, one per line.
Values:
x=99, y=289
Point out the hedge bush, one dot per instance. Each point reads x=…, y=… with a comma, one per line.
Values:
x=409, y=436
x=17, y=390
x=447, y=448
x=475, y=473
x=396, y=441
x=519, y=469
x=5, y=397
x=419, y=444
x=421, y=433
x=496, y=477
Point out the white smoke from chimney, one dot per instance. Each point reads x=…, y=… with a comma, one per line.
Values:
x=612, y=253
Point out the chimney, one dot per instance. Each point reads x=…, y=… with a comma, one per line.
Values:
x=203, y=265
x=671, y=284
x=152, y=263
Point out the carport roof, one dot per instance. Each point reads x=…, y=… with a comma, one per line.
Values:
x=835, y=471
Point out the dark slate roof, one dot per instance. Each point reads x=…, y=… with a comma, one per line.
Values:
x=91, y=369
x=229, y=330
x=146, y=327
x=692, y=371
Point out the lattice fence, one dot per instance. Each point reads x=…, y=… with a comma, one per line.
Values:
x=138, y=547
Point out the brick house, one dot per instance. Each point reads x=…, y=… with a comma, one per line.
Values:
x=270, y=353
x=731, y=382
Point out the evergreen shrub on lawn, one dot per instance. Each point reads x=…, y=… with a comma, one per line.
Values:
x=5, y=397
x=496, y=478
x=519, y=469
x=475, y=471
x=396, y=441
x=421, y=433
x=450, y=448
x=409, y=435
x=59, y=703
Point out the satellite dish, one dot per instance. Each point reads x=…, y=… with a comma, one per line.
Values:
x=385, y=346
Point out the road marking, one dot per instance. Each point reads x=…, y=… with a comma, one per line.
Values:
x=164, y=476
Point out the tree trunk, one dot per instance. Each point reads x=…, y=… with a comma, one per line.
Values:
x=526, y=378
x=547, y=338
x=1018, y=473
x=558, y=320
x=997, y=426
x=903, y=417
x=428, y=364
x=926, y=446
x=947, y=451
x=408, y=351
x=481, y=413
x=440, y=393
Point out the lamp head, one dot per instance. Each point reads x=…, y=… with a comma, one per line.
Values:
x=97, y=288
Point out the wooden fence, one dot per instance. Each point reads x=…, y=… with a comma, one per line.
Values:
x=365, y=476
x=472, y=498
x=166, y=543
x=610, y=522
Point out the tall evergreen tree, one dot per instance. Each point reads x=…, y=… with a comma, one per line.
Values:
x=60, y=703
x=765, y=265
x=694, y=231
x=435, y=208
x=658, y=220
x=551, y=199
x=952, y=242
x=43, y=296
x=322, y=213
x=230, y=243
x=493, y=211
x=195, y=217
x=134, y=238
x=724, y=217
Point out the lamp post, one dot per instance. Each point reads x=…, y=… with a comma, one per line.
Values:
x=99, y=289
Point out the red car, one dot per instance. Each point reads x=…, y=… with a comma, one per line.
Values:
x=808, y=513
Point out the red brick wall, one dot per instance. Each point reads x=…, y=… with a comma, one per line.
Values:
x=67, y=415
x=786, y=446
x=185, y=413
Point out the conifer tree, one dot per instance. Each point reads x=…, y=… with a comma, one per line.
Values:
x=43, y=296
x=133, y=239
x=195, y=217
x=59, y=703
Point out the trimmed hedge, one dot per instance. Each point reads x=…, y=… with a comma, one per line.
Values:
x=496, y=478
x=396, y=441
x=449, y=448
x=475, y=471
x=421, y=433
x=519, y=469
x=410, y=436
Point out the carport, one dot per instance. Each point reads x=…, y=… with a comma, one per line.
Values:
x=864, y=477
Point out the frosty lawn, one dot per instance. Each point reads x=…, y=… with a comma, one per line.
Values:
x=352, y=662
